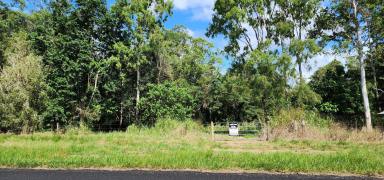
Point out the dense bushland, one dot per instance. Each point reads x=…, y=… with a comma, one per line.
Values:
x=82, y=64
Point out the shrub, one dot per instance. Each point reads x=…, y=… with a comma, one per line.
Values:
x=22, y=88
x=328, y=107
x=287, y=117
x=305, y=97
x=167, y=100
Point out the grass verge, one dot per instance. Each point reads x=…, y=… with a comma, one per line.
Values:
x=174, y=145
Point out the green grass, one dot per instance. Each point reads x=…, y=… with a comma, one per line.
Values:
x=188, y=146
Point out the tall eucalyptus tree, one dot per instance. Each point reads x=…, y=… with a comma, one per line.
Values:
x=345, y=24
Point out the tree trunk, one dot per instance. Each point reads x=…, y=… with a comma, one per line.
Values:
x=121, y=114
x=94, y=88
x=137, y=94
x=300, y=72
x=363, y=82
x=298, y=58
x=158, y=68
x=365, y=93
x=121, y=101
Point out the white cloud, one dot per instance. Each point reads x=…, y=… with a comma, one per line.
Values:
x=204, y=13
x=201, y=9
x=197, y=33
x=190, y=4
x=190, y=32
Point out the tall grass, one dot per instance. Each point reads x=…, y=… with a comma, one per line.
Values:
x=186, y=145
x=311, y=118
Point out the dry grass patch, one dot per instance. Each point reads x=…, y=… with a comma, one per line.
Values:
x=335, y=132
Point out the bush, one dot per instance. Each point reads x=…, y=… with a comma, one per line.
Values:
x=305, y=97
x=328, y=107
x=287, y=117
x=22, y=88
x=167, y=100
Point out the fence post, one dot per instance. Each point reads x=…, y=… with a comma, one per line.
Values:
x=57, y=127
x=267, y=130
x=212, y=131
x=302, y=128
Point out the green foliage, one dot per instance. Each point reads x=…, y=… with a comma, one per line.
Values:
x=66, y=39
x=10, y=22
x=253, y=24
x=168, y=100
x=349, y=26
x=236, y=98
x=338, y=88
x=268, y=81
x=12, y=3
x=303, y=50
x=327, y=107
x=253, y=94
x=378, y=75
x=236, y=20
x=305, y=97
x=266, y=39
x=297, y=16
x=22, y=88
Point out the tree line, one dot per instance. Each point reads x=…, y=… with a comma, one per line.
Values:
x=79, y=62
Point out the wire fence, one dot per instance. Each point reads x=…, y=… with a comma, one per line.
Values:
x=110, y=127
x=254, y=127
x=300, y=130
x=259, y=129
x=244, y=128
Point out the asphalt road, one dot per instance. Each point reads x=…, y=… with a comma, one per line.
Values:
x=33, y=174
